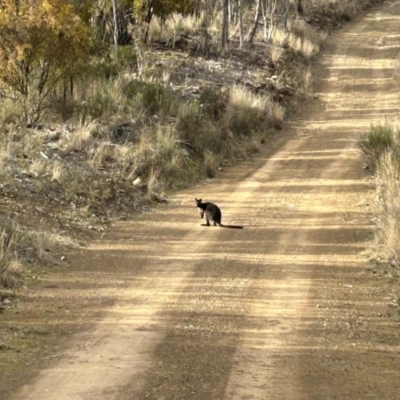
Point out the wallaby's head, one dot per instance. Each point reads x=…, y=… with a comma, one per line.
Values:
x=198, y=205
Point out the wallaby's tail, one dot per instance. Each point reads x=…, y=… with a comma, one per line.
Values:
x=231, y=226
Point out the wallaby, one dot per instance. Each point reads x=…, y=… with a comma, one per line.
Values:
x=213, y=213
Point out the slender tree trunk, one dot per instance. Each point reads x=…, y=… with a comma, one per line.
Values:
x=224, y=37
x=286, y=13
x=240, y=23
x=299, y=7
x=271, y=12
x=265, y=18
x=114, y=7
x=147, y=19
x=204, y=27
x=253, y=28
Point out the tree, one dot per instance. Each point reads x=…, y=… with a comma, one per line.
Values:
x=253, y=28
x=110, y=20
x=114, y=7
x=268, y=11
x=225, y=23
x=144, y=10
x=286, y=5
x=239, y=5
x=42, y=43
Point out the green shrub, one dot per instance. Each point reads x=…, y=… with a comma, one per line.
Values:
x=111, y=64
x=189, y=125
x=97, y=104
x=213, y=103
x=151, y=97
x=375, y=142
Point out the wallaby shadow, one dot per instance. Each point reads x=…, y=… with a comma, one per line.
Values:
x=224, y=226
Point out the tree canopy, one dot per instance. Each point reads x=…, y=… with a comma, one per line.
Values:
x=41, y=43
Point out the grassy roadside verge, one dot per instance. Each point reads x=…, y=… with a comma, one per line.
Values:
x=380, y=146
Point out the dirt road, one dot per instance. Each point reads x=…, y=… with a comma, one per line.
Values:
x=284, y=309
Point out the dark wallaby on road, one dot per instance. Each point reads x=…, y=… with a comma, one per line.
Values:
x=213, y=213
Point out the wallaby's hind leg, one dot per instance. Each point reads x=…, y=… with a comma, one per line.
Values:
x=215, y=224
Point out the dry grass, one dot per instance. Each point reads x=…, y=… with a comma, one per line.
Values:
x=9, y=277
x=397, y=72
x=211, y=164
x=245, y=111
x=303, y=46
x=300, y=28
x=276, y=114
x=276, y=53
x=306, y=79
x=303, y=38
x=6, y=236
x=347, y=10
x=18, y=244
x=388, y=207
x=377, y=141
x=279, y=37
x=381, y=148
x=80, y=137
x=248, y=113
x=173, y=26
x=242, y=98
x=5, y=157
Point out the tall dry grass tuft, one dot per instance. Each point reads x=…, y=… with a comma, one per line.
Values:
x=79, y=139
x=304, y=39
x=276, y=53
x=6, y=236
x=306, y=79
x=276, y=114
x=5, y=156
x=397, y=72
x=18, y=244
x=211, y=164
x=377, y=141
x=160, y=159
x=381, y=148
x=300, y=28
x=279, y=37
x=246, y=111
x=173, y=26
x=346, y=10
x=303, y=46
x=388, y=207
